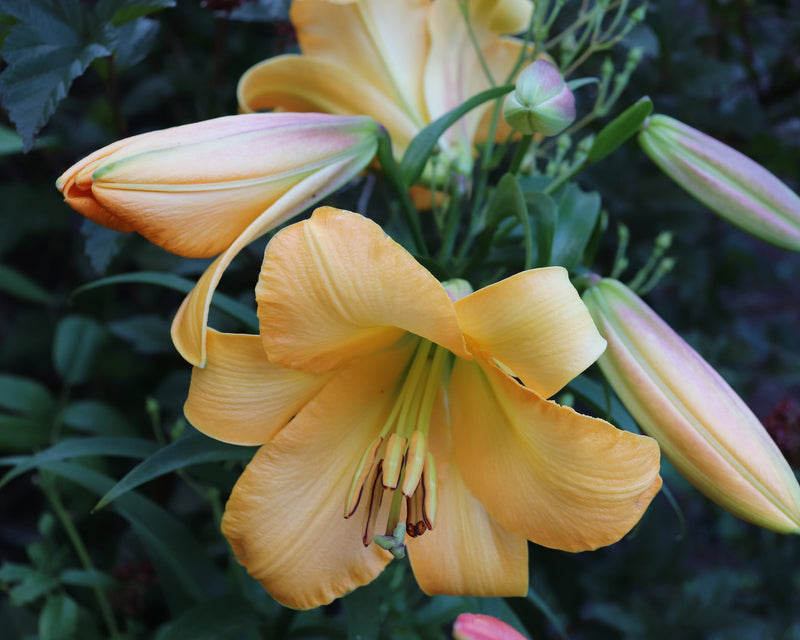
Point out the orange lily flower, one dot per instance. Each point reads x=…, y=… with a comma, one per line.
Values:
x=213, y=187
x=387, y=408
x=404, y=63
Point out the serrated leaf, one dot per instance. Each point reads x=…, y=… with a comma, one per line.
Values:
x=77, y=341
x=420, y=148
x=193, y=448
x=244, y=314
x=101, y=244
x=54, y=43
x=120, y=12
x=58, y=619
x=136, y=40
x=77, y=448
x=21, y=286
x=172, y=541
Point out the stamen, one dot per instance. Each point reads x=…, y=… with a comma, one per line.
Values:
x=414, y=516
x=415, y=460
x=363, y=470
x=393, y=460
x=375, y=499
x=430, y=496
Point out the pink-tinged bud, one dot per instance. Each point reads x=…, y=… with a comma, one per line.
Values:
x=541, y=103
x=195, y=188
x=474, y=626
x=737, y=188
x=703, y=428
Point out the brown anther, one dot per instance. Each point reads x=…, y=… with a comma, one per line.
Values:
x=375, y=499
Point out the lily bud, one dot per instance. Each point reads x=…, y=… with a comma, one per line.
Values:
x=702, y=426
x=475, y=626
x=737, y=188
x=541, y=103
x=195, y=188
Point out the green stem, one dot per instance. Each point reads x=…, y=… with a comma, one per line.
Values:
x=519, y=154
x=48, y=487
x=392, y=173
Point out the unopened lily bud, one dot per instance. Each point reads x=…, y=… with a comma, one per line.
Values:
x=702, y=426
x=195, y=188
x=475, y=626
x=541, y=103
x=737, y=188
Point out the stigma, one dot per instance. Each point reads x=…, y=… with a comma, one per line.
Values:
x=398, y=465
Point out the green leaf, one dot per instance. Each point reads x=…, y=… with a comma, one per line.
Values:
x=58, y=619
x=121, y=11
x=420, y=148
x=362, y=608
x=24, y=433
x=603, y=402
x=101, y=244
x=52, y=44
x=616, y=132
x=147, y=334
x=24, y=395
x=194, y=448
x=91, y=578
x=31, y=585
x=507, y=200
x=21, y=286
x=216, y=618
x=78, y=340
x=78, y=448
x=544, y=211
x=168, y=538
x=91, y=416
x=577, y=216
x=244, y=314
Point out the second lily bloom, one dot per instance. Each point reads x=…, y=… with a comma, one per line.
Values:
x=213, y=187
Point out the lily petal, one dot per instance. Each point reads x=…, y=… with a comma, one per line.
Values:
x=189, y=326
x=284, y=517
x=335, y=287
x=241, y=397
x=299, y=83
x=468, y=552
x=561, y=479
x=536, y=324
x=386, y=44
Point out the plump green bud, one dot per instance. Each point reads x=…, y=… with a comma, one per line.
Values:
x=541, y=103
x=733, y=185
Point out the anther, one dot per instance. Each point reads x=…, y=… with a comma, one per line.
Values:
x=375, y=499
x=415, y=461
x=430, y=496
x=365, y=466
x=393, y=460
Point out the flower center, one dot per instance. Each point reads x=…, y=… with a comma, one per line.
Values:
x=399, y=458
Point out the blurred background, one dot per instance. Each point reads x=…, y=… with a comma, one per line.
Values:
x=99, y=362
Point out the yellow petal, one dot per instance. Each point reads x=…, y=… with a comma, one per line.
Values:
x=284, y=518
x=561, y=479
x=502, y=16
x=242, y=398
x=383, y=43
x=468, y=552
x=335, y=287
x=535, y=324
x=189, y=325
x=298, y=83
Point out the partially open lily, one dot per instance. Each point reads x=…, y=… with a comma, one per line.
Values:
x=704, y=428
x=215, y=186
x=404, y=63
x=391, y=420
x=475, y=626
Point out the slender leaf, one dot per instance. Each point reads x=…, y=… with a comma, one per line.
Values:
x=616, y=132
x=87, y=578
x=24, y=395
x=237, y=310
x=193, y=448
x=413, y=163
x=79, y=448
x=21, y=286
x=91, y=416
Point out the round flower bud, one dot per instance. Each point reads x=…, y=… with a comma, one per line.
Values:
x=541, y=103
